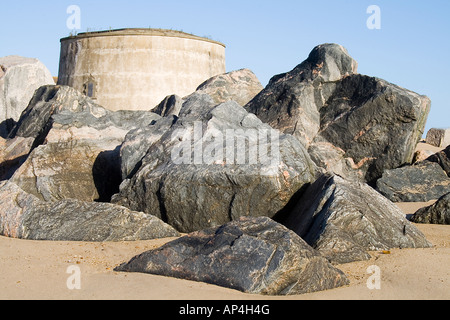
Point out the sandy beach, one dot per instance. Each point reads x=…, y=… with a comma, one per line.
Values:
x=38, y=270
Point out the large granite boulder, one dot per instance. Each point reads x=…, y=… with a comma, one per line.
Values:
x=370, y=124
x=19, y=79
x=346, y=219
x=421, y=182
x=24, y=216
x=443, y=159
x=240, y=86
x=13, y=152
x=76, y=145
x=253, y=255
x=438, y=213
x=214, y=165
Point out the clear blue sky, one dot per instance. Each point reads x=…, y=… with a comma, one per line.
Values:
x=412, y=48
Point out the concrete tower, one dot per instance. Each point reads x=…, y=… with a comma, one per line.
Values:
x=135, y=69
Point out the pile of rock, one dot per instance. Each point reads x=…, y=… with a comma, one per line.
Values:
x=270, y=184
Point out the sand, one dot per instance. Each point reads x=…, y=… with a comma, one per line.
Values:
x=38, y=270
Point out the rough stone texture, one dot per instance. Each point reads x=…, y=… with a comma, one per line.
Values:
x=443, y=159
x=438, y=137
x=146, y=66
x=24, y=216
x=13, y=153
x=421, y=182
x=240, y=86
x=170, y=106
x=138, y=141
x=439, y=213
x=19, y=78
x=345, y=219
x=253, y=255
x=422, y=155
x=76, y=147
x=189, y=180
x=376, y=124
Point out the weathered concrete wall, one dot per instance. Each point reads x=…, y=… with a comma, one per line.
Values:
x=135, y=69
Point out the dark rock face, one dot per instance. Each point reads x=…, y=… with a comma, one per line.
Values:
x=170, y=106
x=253, y=255
x=240, y=86
x=191, y=180
x=76, y=145
x=421, y=182
x=369, y=124
x=439, y=213
x=344, y=220
x=24, y=216
x=443, y=159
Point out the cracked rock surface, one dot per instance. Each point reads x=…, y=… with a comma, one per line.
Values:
x=253, y=255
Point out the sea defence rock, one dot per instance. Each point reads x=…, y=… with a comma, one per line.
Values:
x=443, y=159
x=76, y=145
x=363, y=125
x=13, y=152
x=438, y=137
x=19, y=79
x=439, y=213
x=240, y=86
x=422, y=182
x=24, y=216
x=214, y=165
x=346, y=219
x=253, y=255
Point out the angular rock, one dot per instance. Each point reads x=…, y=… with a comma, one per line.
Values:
x=323, y=100
x=438, y=137
x=253, y=255
x=24, y=216
x=443, y=159
x=240, y=86
x=422, y=182
x=13, y=153
x=346, y=219
x=76, y=146
x=19, y=79
x=439, y=213
x=210, y=168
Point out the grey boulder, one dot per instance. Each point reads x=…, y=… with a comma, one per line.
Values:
x=240, y=86
x=421, y=182
x=24, y=216
x=346, y=219
x=20, y=77
x=438, y=213
x=193, y=180
x=76, y=144
x=253, y=255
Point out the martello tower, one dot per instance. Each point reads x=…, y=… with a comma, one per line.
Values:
x=135, y=69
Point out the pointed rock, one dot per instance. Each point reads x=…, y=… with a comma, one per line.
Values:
x=253, y=255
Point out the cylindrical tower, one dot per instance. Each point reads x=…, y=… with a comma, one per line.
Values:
x=135, y=69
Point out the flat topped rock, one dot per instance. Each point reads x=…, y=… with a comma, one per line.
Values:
x=253, y=255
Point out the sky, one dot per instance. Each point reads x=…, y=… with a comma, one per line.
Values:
x=410, y=47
